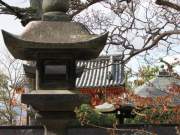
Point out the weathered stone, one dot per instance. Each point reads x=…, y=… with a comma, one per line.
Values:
x=55, y=100
x=47, y=40
x=37, y=6
x=56, y=32
x=55, y=108
x=55, y=16
x=55, y=5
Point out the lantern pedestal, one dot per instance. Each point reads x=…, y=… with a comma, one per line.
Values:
x=55, y=108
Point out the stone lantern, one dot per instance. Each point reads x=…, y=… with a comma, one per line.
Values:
x=55, y=43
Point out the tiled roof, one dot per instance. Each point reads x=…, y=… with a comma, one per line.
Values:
x=101, y=72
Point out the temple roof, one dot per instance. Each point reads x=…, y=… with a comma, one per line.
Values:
x=104, y=71
x=50, y=37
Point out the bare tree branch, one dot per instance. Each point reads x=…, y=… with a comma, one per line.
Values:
x=80, y=8
x=12, y=10
x=24, y=14
x=154, y=43
x=168, y=4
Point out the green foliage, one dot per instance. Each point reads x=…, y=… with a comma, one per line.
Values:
x=86, y=114
x=145, y=74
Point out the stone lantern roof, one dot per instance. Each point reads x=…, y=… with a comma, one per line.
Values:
x=55, y=36
x=42, y=37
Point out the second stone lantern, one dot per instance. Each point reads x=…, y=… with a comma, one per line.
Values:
x=55, y=43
